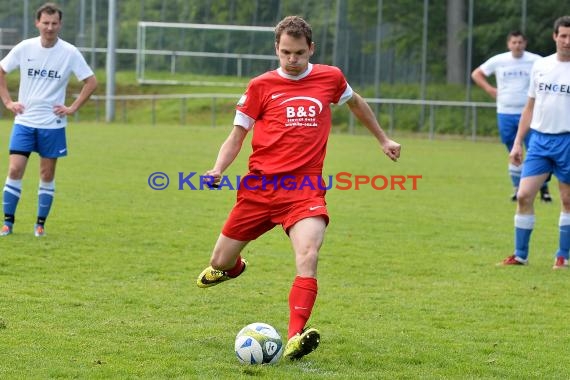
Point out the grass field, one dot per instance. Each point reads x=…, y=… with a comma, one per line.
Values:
x=408, y=286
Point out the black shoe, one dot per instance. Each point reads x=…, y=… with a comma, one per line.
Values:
x=545, y=195
x=514, y=197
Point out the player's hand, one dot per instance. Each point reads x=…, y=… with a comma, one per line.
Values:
x=516, y=155
x=492, y=92
x=392, y=149
x=214, y=177
x=61, y=110
x=15, y=107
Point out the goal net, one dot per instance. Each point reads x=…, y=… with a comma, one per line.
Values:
x=202, y=54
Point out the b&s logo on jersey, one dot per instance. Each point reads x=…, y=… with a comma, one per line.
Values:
x=302, y=111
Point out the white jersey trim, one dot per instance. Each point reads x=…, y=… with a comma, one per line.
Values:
x=295, y=77
x=346, y=95
x=244, y=121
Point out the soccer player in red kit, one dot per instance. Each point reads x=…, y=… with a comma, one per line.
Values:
x=288, y=110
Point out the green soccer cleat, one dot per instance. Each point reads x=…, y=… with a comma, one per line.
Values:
x=302, y=344
x=210, y=276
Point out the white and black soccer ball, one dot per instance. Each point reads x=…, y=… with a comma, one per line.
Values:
x=258, y=343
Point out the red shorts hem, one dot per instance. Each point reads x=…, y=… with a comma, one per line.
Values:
x=258, y=211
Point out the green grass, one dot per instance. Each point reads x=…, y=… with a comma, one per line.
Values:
x=408, y=286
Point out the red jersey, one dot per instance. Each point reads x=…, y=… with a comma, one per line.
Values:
x=292, y=118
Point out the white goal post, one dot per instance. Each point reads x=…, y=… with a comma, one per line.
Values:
x=196, y=54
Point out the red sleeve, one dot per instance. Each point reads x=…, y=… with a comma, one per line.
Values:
x=251, y=101
x=342, y=84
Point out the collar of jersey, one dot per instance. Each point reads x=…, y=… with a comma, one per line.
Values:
x=296, y=77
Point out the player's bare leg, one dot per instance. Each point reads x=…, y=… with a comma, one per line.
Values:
x=225, y=263
x=524, y=218
x=306, y=237
x=528, y=189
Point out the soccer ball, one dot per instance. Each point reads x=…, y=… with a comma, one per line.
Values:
x=258, y=343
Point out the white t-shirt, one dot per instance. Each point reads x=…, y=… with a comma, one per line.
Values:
x=550, y=88
x=512, y=76
x=44, y=74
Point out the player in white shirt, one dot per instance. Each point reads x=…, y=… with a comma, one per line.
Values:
x=45, y=64
x=547, y=114
x=512, y=73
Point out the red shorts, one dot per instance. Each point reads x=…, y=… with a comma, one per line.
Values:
x=264, y=201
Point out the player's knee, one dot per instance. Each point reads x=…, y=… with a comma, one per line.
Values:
x=47, y=177
x=47, y=174
x=15, y=173
x=307, y=259
x=525, y=199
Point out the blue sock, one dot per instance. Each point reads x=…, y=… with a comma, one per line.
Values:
x=10, y=198
x=524, y=225
x=515, y=173
x=45, y=199
x=564, y=248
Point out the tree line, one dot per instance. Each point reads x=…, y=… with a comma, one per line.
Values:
x=346, y=31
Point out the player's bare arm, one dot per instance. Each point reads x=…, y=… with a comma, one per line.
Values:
x=516, y=154
x=480, y=80
x=363, y=112
x=228, y=152
x=14, y=107
x=89, y=86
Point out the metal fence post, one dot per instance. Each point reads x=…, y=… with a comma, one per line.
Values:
x=183, y=111
x=153, y=110
x=473, y=123
x=97, y=109
x=213, y=112
x=392, y=119
x=431, y=121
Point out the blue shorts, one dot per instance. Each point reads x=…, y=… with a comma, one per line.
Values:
x=548, y=153
x=508, y=126
x=48, y=143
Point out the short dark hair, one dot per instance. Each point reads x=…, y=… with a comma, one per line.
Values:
x=294, y=26
x=516, y=33
x=50, y=9
x=561, y=21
